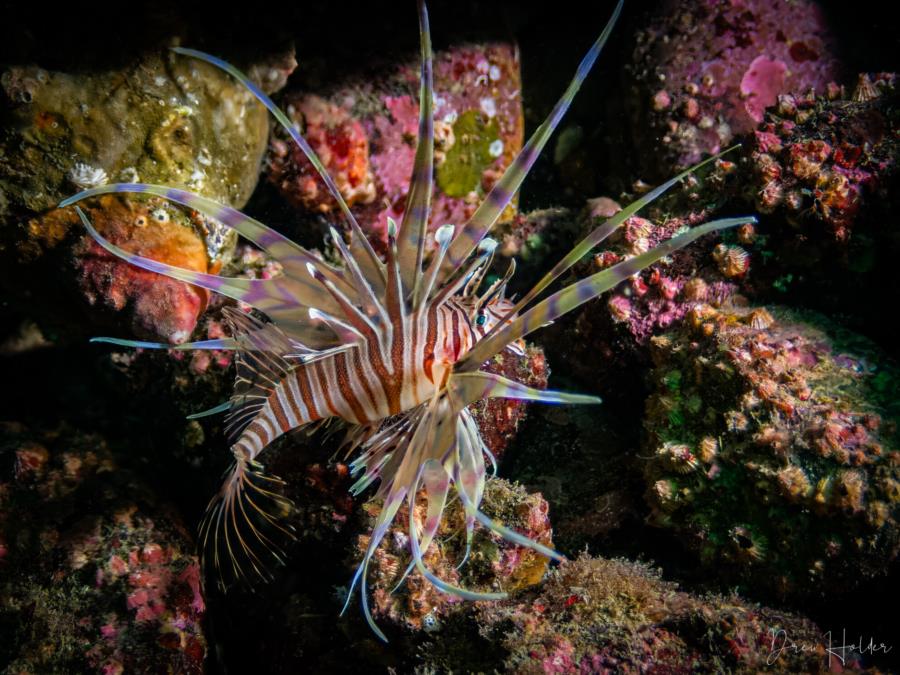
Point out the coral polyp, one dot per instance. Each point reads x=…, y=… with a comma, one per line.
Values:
x=391, y=348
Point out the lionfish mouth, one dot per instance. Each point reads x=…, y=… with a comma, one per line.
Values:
x=348, y=342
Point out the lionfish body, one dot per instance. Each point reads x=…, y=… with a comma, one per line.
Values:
x=391, y=347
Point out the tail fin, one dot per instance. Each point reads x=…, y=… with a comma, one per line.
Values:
x=243, y=531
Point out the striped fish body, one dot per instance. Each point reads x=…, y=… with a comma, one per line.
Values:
x=381, y=376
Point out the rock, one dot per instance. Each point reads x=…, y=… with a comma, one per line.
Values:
x=499, y=418
x=493, y=564
x=365, y=134
x=99, y=574
x=594, y=615
x=773, y=446
x=612, y=333
x=167, y=120
x=703, y=73
x=818, y=160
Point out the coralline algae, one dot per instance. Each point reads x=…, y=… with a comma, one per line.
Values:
x=704, y=72
x=364, y=134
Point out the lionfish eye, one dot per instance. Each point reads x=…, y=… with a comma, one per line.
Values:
x=481, y=319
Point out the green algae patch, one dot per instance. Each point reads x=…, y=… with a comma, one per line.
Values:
x=468, y=157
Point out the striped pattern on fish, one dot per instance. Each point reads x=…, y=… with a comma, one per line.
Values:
x=363, y=384
x=393, y=348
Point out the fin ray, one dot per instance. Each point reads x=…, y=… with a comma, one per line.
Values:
x=413, y=227
x=576, y=294
x=502, y=193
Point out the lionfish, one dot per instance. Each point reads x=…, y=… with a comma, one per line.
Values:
x=392, y=348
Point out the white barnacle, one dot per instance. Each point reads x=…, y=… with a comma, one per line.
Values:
x=198, y=176
x=160, y=215
x=129, y=175
x=488, y=106
x=495, y=149
x=86, y=176
x=430, y=623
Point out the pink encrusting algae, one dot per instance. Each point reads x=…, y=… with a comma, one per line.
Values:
x=362, y=134
x=704, y=72
x=392, y=349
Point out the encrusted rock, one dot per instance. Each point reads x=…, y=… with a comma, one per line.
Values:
x=364, y=133
x=167, y=119
x=793, y=434
x=705, y=72
x=99, y=576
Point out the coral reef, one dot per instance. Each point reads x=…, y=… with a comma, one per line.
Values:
x=772, y=451
x=769, y=457
x=703, y=73
x=818, y=160
x=825, y=169
x=188, y=124
x=98, y=576
x=594, y=615
x=364, y=133
x=494, y=563
x=619, y=327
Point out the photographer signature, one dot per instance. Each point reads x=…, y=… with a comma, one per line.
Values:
x=782, y=644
